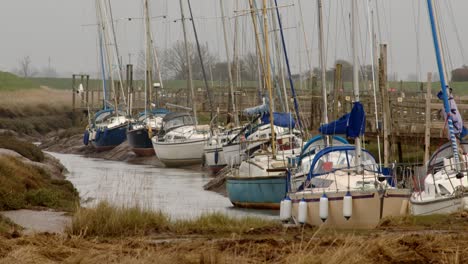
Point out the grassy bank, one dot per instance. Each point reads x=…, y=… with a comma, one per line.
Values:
x=108, y=234
x=25, y=185
x=36, y=111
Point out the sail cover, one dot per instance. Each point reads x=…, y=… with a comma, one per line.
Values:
x=258, y=110
x=457, y=120
x=280, y=119
x=352, y=124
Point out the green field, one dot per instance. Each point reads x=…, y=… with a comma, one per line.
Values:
x=10, y=82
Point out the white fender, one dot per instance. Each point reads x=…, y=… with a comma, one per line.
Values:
x=323, y=207
x=282, y=210
x=302, y=212
x=347, y=205
x=287, y=208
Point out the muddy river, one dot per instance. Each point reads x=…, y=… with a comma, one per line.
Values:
x=177, y=192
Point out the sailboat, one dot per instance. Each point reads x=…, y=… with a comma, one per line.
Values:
x=148, y=122
x=445, y=187
x=342, y=185
x=182, y=140
x=260, y=181
x=108, y=127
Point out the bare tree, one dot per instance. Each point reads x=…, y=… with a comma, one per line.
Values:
x=25, y=67
x=174, y=63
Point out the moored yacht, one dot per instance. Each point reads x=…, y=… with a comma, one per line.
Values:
x=140, y=132
x=180, y=142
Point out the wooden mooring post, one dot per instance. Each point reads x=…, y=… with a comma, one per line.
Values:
x=385, y=102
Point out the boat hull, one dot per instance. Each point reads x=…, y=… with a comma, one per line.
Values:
x=110, y=138
x=256, y=192
x=140, y=142
x=180, y=154
x=368, y=207
x=441, y=205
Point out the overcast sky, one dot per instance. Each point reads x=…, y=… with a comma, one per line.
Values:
x=62, y=30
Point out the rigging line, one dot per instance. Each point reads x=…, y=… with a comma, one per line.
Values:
x=336, y=36
x=207, y=87
x=418, y=44
x=444, y=46
x=309, y=58
x=373, y=82
x=378, y=21
x=457, y=33
x=328, y=34
x=345, y=19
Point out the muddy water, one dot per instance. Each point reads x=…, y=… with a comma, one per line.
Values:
x=177, y=192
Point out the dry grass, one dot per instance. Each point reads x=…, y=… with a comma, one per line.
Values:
x=106, y=220
x=44, y=96
x=282, y=246
x=35, y=111
x=111, y=221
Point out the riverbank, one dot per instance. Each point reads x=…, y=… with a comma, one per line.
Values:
x=134, y=235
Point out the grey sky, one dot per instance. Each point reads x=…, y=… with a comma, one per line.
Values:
x=55, y=29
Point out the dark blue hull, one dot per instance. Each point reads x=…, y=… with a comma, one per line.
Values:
x=110, y=138
x=140, y=142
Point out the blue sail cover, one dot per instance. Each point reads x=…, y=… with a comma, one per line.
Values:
x=280, y=119
x=352, y=124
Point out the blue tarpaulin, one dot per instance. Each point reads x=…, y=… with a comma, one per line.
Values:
x=280, y=119
x=351, y=124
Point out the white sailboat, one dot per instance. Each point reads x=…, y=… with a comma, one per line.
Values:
x=445, y=187
x=182, y=141
x=341, y=185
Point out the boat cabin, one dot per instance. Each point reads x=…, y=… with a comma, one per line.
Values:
x=175, y=120
x=104, y=115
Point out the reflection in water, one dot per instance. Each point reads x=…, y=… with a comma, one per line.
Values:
x=176, y=192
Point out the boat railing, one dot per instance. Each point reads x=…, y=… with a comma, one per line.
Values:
x=451, y=171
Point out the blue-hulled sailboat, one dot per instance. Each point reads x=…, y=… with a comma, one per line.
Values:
x=108, y=127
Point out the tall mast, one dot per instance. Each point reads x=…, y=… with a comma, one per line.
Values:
x=288, y=67
x=279, y=62
x=322, y=63
x=356, y=78
x=253, y=10
x=268, y=79
x=149, y=64
x=443, y=83
x=101, y=53
x=189, y=64
x=207, y=87
x=116, y=51
x=228, y=57
x=108, y=57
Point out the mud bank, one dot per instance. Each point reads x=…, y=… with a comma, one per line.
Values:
x=56, y=142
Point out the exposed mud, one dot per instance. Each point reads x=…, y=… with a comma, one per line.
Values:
x=54, y=142
x=39, y=221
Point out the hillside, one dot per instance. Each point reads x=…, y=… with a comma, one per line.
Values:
x=11, y=82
